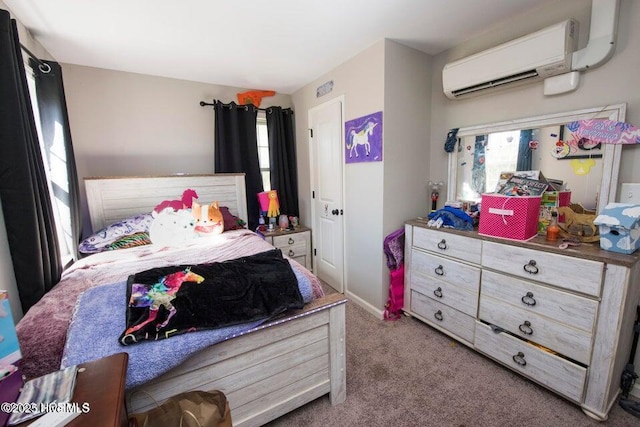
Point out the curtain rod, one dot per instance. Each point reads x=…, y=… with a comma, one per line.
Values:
x=44, y=67
x=204, y=104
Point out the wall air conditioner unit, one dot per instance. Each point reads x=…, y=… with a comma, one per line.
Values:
x=527, y=59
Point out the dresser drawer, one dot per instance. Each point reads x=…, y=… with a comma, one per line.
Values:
x=546, y=368
x=571, y=342
x=464, y=276
x=294, y=239
x=570, y=309
x=446, y=293
x=571, y=273
x=294, y=251
x=443, y=316
x=452, y=245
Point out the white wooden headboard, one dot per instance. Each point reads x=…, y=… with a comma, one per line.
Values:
x=111, y=199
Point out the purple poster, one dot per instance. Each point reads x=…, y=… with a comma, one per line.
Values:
x=363, y=139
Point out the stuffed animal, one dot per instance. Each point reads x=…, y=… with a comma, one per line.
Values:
x=170, y=228
x=185, y=202
x=208, y=219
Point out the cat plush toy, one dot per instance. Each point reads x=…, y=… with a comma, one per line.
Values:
x=209, y=220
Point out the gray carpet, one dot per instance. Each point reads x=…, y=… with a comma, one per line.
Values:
x=405, y=373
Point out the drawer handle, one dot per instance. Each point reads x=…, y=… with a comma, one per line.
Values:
x=531, y=267
x=525, y=328
x=442, y=244
x=291, y=253
x=438, y=315
x=519, y=359
x=291, y=241
x=439, y=270
x=438, y=292
x=529, y=299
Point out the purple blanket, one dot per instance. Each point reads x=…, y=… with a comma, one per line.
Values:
x=96, y=327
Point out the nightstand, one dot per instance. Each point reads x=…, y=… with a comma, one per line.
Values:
x=294, y=243
x=101, y=384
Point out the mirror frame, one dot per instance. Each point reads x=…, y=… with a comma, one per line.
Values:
x=611, y=152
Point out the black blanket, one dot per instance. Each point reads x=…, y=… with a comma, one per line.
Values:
x=167, y=301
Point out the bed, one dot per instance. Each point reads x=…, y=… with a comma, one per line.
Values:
x=265, y=371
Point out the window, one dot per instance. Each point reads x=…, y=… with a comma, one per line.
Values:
x=55, y=165
x=263, y=151
x=504, y=153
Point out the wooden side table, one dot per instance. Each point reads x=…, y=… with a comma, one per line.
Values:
x=102, y=386
x=294, y=243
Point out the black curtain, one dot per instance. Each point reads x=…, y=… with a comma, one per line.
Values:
x=54, y=124
x=236, y=150
x=24, y=193
x=282, y=158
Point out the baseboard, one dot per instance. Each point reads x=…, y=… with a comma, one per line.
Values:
x=362, y=303
x=635, y=391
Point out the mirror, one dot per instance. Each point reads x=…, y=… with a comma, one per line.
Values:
x=543, y=143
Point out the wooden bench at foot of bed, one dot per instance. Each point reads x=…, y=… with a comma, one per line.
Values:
x=269, y=371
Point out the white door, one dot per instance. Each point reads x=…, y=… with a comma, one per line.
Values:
x=326, y=149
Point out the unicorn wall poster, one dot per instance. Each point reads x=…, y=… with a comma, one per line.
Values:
x=363, y=139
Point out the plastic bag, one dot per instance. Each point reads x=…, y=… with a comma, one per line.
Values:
x=191, y=408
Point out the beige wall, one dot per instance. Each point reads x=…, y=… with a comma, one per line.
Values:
x=134, y=124
x=406, y=152
x=361, y=81
x=378, y=196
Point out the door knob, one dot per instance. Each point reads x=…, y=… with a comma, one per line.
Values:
x=335, y=211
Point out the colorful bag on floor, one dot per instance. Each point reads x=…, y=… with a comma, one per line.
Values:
x=394, y=250
x=393, y=307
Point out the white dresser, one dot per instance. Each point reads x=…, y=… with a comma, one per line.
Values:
x=295, y=243
x=561, y=317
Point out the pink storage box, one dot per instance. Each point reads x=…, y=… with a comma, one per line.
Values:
x=509, y=217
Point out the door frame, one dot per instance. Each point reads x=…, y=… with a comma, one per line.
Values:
x=314, y=218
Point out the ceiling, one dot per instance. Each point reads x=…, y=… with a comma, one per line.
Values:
x=279, y=45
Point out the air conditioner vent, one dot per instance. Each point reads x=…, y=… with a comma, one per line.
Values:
x=497, y=82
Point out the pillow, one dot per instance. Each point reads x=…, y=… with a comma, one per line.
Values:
x=231, y=222
x=110, y=238
x=170, y=227
x=208, y=218
x=136, y=239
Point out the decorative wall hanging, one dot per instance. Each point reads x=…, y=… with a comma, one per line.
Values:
x=582, y=166
x=606, y=131
x=572, y=145
x=363, y=139
x=561, y=150
x=324, y=89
